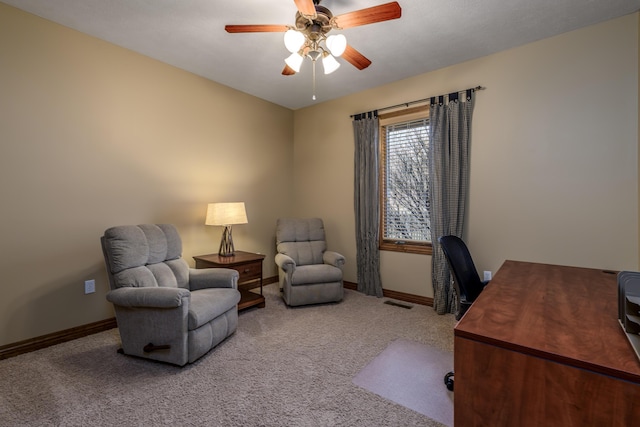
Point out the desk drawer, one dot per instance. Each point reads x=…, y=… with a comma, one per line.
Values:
x=249, y=271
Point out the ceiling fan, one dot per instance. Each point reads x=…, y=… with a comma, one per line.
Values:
x=308, y=37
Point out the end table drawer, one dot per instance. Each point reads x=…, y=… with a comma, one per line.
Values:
x=249, y=272
x=249, y=267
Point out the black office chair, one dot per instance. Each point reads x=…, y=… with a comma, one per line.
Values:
x=467, y=283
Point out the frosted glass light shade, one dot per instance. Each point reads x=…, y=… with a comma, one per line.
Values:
x=293, y=40
x=294, y=61
x=330, y=64
x=337, y=44
x=226, y=214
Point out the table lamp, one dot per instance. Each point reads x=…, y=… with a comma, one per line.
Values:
x=226, y=214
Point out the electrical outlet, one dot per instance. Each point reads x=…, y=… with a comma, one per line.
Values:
x=487, y=275
x=89, y=286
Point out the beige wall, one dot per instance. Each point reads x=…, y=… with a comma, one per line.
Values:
x=93, y=135
x=554, y=175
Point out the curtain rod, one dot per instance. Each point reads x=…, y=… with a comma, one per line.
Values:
x=419, y=101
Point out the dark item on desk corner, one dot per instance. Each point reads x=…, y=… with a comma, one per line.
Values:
x=629, y=307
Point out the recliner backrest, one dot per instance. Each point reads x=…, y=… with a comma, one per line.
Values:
x=462, y=267
x=301, y=239
x=145, y=255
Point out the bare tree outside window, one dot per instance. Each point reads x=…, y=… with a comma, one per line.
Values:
x=406, y=183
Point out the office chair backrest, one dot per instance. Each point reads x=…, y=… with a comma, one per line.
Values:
x=464, y=271
x=465, y=279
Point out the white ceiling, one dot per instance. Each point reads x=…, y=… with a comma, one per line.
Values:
x=431, y=34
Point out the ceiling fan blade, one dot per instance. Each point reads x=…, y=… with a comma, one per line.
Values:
x=288, y=71
x=305, y=7
x=357, y=59
x=371, y=15
x=256, y=28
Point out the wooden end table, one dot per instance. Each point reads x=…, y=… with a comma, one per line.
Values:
x=248, y=265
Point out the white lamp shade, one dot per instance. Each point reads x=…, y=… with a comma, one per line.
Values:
x=337, y=44
x=294, y=61
x=293, y=40
x=226, y=214
x=330, y=64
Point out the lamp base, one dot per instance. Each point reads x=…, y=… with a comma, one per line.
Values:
x=226, y=244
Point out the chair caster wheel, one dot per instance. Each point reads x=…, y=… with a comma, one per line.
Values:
x=448, y=381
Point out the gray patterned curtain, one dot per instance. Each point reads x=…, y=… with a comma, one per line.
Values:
x=450, y=132
x=367, y=208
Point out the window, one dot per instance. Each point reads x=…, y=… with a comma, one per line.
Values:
x=404, y=198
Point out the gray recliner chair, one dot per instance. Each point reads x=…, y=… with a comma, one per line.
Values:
x=308, y=272
x=165, y=310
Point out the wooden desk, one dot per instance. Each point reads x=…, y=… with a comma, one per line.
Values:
x=542, y=346
x=248, y=265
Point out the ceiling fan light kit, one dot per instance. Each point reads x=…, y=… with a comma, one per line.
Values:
x=329, y=63
x=308, y=38
x=294, y=61
x=302, y=45
x=293, y=40
x=337, y=44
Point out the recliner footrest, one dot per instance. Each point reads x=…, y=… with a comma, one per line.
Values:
x=152, y=347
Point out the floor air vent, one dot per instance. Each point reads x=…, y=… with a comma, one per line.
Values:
x=398, y=304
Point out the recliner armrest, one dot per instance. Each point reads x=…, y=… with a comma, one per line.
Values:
x=205, y=278
x=333, y=258
x=285, y=262
x=152, y=297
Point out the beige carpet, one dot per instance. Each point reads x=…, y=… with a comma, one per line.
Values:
x=282, y=367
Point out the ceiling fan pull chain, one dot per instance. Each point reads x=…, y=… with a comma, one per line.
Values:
x=314, y=81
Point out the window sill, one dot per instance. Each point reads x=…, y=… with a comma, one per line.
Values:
x=425, y=249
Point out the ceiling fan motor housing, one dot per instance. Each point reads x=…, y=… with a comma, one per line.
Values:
x=317, y=26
